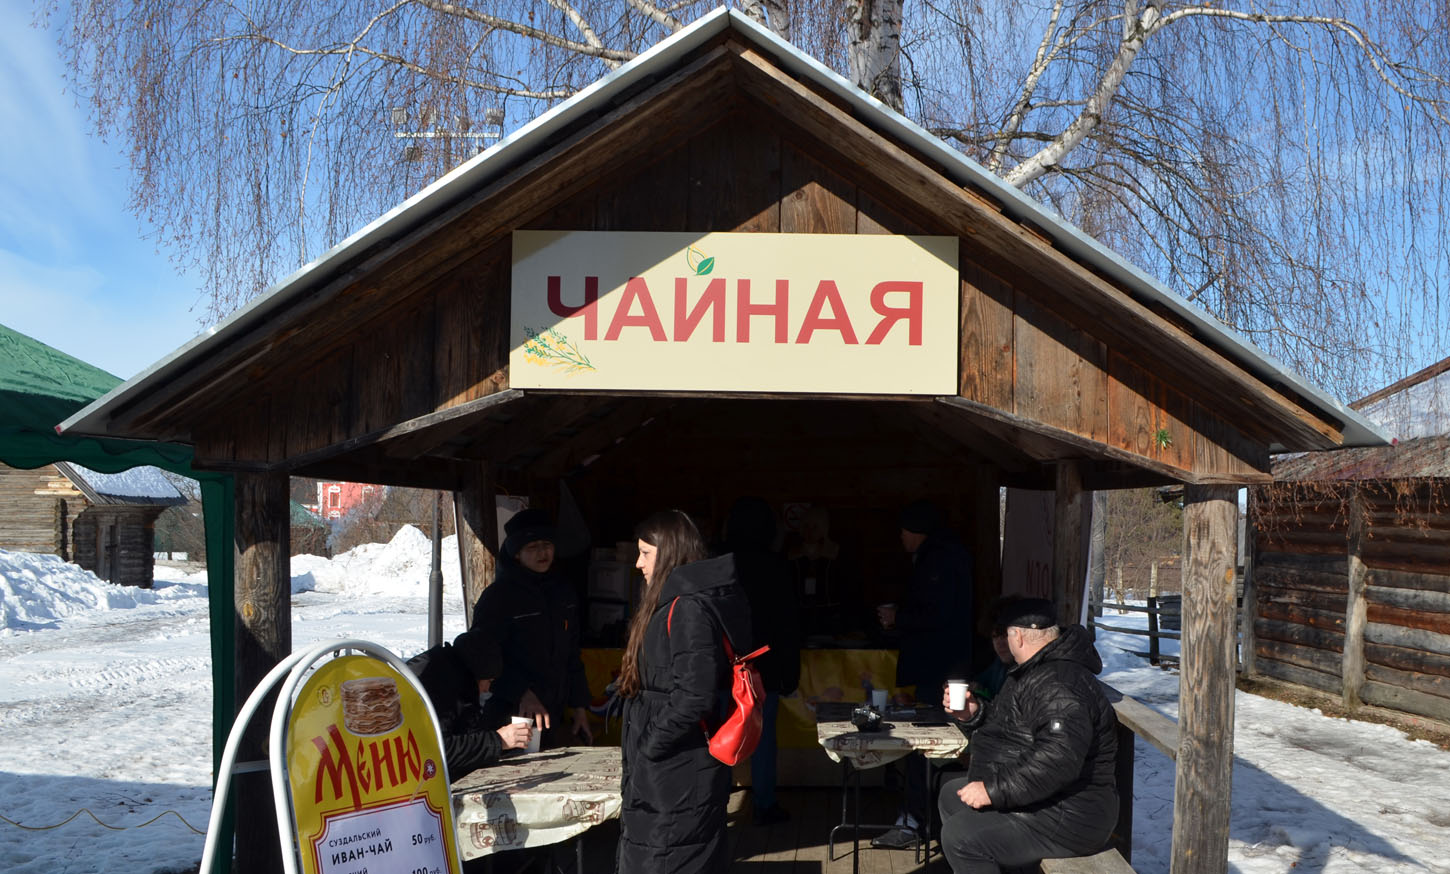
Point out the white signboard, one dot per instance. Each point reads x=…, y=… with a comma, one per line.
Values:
x=848, y=314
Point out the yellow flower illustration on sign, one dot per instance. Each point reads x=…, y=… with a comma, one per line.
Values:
x=549, y=348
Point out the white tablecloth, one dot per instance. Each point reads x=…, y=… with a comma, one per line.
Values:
x=870, y=749
x=536, y=799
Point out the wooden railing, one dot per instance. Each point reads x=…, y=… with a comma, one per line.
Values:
x=1155, y=632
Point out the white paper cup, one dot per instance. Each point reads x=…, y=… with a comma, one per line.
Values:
x=957, y=694
x=533, y=746
x=878, y=698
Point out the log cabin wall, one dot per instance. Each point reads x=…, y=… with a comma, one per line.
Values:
x=1302, y=566
x=116, y=542
x=35, y=510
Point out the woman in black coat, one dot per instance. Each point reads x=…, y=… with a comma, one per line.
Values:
x=674, y=670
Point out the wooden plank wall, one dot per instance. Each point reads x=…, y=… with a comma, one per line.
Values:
x=1301, y=569
x=33, y=505
x=435, y=348
x=1019, y=355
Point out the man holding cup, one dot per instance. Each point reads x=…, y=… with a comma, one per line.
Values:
x=1041, y=781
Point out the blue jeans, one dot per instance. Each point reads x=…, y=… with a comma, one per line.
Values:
x=762, y=761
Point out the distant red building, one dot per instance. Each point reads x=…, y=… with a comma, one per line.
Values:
x=334, y=500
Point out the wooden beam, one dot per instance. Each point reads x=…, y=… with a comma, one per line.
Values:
x=476, y=521
x=1079, y=446
x=263, y=638
x=1203, y=788
x=1356, y=610
x=1069, y=558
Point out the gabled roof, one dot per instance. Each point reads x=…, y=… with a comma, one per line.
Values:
x=139, y=485
x=433, y=203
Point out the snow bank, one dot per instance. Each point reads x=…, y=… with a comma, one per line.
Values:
x=397, y=569
x=37, y=590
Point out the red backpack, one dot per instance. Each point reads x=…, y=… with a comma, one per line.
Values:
x=737, y=737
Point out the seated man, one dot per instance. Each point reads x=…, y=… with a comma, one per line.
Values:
x=457, y=679
x=1041, y=779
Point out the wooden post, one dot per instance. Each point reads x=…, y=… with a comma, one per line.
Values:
x=476, y=518
x=1247, y=644
x=263, y=638
x=1069, y=560
x=1201, y=798
x=1356, y=607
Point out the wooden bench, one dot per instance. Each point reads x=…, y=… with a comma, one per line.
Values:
x=1109, y=861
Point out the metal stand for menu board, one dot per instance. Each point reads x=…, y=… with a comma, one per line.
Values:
x=295, y=668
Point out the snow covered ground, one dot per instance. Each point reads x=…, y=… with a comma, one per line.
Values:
x=105, y=705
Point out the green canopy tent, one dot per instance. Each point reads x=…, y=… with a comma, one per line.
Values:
x=40, y=387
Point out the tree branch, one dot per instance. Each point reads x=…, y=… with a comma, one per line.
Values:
x=534, y=33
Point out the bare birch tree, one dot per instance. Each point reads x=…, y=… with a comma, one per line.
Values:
x=1281, y=164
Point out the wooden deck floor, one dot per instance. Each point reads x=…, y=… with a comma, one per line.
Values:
x=795, y=847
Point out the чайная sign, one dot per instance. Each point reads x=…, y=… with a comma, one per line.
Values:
x=851, y=314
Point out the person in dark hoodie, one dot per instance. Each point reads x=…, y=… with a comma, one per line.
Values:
x=935, y=610
x=775, y=621
x=1041, y=781
x=672, y=679
x=457, y=679
x=532, y=613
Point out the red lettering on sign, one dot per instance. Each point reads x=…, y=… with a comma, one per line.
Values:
x=891, y=315
x=780, y=310
x=827, y=294
x=636, y=290
x=713, y=301
x=589, y=309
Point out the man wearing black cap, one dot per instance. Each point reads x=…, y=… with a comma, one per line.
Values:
x=933, y=618
x=532, y=613
x=457, y=679
x=1041, y=780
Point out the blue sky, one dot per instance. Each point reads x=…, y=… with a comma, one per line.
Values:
x=76, y=270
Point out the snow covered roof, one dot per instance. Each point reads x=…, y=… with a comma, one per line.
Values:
x=139, y=485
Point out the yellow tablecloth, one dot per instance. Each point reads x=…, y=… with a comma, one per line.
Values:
x=536, y=799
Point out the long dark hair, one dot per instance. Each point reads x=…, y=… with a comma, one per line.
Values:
x=677, y=541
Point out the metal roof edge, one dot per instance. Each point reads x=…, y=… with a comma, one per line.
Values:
x=1358, y=430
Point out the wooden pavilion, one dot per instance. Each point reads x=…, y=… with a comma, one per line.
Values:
x=1069, y=370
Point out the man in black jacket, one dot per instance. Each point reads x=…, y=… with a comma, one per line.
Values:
x=1041, y=780
x=532, y=613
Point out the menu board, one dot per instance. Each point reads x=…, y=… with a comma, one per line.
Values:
x=370, y=793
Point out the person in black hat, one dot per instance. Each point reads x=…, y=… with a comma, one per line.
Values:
x=532, y=613
x=1041, y=781
x=933, y=617
x=457, y=679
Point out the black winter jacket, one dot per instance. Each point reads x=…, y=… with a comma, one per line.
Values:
x=1048, y=742
x=534, y=619
x=470, y=736
x=934, y=615
x=675, y=792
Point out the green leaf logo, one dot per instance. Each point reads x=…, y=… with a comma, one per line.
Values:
x=1163, y=438
x=698, y=263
